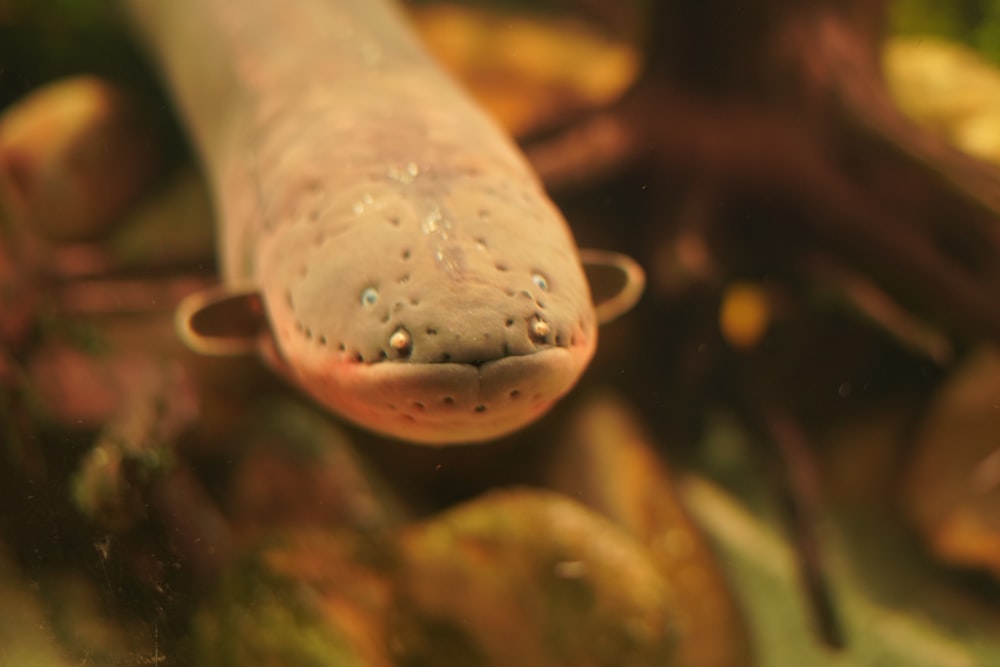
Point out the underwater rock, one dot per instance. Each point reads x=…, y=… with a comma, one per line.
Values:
x=951, y=490
x=74, y=156
x=607, y=462
x=529, y=578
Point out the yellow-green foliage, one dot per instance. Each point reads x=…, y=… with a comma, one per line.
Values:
x=975, y=23
x=948, y=88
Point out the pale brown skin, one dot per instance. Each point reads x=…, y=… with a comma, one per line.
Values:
x=415, y=277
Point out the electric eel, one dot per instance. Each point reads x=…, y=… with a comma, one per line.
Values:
x=382, y=242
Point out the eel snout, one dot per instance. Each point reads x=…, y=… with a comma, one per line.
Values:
x=447, y=402
x=435, y=358
x=468, y=366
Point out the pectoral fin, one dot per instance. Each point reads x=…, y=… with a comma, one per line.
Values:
x=616, y=282
x=222, y=321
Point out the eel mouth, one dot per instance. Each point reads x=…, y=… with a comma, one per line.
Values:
x=447, y=402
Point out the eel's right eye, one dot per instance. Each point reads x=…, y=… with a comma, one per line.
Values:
x=369, y=297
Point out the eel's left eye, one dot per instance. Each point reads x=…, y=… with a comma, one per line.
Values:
x=540, y=281
x=369, y=297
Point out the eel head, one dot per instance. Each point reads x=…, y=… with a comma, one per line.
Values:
x=441, y=343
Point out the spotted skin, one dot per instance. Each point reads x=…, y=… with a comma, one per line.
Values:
x=415, y=277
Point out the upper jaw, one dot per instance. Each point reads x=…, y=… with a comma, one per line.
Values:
x=447, y=403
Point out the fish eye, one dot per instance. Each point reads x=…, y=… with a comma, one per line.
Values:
x=369, y=296
x=540, y=281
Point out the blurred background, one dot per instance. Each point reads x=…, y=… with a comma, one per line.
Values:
x=787, y=454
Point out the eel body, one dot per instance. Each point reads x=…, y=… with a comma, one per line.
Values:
x=415, y=277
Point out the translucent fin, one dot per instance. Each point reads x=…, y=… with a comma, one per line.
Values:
x=221, y=321
x=616, y=282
